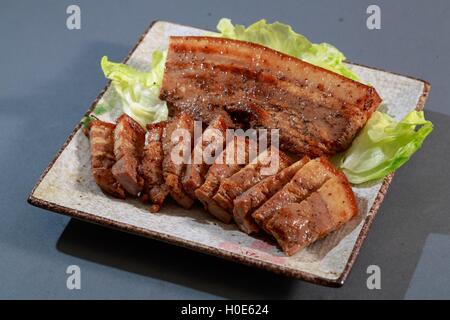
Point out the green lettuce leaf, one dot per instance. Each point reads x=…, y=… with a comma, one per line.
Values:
x=383, y=146
x=281, y=37
x=139, y=91
x=99, y=109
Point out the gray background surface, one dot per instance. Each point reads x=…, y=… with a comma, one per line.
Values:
x=49, y=76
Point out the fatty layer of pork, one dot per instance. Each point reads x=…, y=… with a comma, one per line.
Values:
x=253, y=198
x=306, y=181
x=297, y=225
x=101, y=139
x=129, y=139
x=317, y=111
x=155, y=190
x=176, y=155
x=194, y=175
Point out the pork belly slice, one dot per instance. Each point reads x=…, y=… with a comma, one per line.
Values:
x=173, y=169
x=101, y=138
x=297, y=225
x=317, y=111
x=306, y=181
x=157, y=196
x=250, y=200
x=154, y=190
x=204, y=194
x=129, y=138
x=250, y=175
x=194, y=175
x=221, y=169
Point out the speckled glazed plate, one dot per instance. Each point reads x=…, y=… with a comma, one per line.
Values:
x=67, y=187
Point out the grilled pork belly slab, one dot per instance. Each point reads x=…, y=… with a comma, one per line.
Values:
x=222, y=169
x=306, y=181
x=129, y=139
x=101, y=138
x=154, y=190
x=194, y=175
x=317, y=111
x=251, y=174
x=176, y=156
x=297, y=225
x=253, y=198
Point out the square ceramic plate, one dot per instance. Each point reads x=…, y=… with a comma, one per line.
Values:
x=67, y=187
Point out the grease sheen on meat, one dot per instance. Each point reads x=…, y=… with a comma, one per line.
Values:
x=317, y=111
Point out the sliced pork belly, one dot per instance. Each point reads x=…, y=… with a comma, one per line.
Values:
x=212, y=181
x=220, y=170
x=317, y=111
x=250, y=175
x=174, y=146
x=250, y=200
x=306, y=181
x=155, y=190
x=129, y=138
x=101, y=138
x=195, y=173
x=297, y=225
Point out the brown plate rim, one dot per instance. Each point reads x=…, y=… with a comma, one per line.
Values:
x=287, y=271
